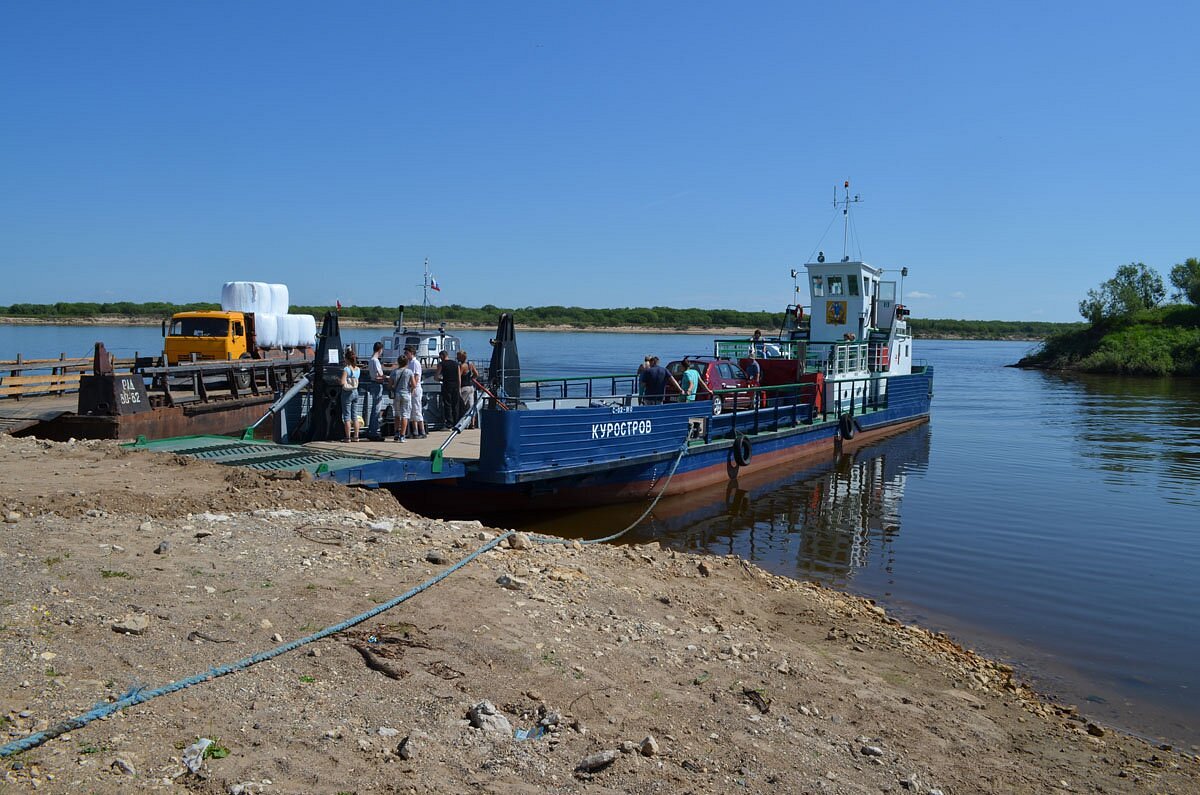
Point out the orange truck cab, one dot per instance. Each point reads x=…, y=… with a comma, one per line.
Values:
x=210, y=335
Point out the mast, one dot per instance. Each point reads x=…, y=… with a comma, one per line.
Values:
x=845, y=203
x=425, y=296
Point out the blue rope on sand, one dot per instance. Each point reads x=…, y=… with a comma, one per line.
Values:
x=140, y=695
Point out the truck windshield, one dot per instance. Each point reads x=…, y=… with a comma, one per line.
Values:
x=200, y=327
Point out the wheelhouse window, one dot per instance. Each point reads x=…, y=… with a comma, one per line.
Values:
x=835, y=285
x=200, y=327
x=852, y=284
x=818, y=287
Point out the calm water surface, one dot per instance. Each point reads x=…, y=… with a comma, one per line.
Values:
x=1049, y=521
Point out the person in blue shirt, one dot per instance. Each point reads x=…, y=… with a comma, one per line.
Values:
x=689, y=381
x=654, y=380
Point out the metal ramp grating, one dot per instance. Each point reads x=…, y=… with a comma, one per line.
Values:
x=265, y=456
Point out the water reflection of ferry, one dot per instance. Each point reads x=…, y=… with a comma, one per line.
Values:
x=818, y=522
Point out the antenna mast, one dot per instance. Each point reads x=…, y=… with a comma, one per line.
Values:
x=845, y=203
x=425, y=296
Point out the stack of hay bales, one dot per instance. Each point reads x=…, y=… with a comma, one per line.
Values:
x=273, y=326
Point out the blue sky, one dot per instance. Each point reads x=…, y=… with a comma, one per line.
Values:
x=1011, y=154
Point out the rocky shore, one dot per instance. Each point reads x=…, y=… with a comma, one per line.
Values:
x=622, y=669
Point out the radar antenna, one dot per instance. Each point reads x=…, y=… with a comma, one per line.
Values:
x=845, y=203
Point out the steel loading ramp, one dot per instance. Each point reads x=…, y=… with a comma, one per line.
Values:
x=328, y=461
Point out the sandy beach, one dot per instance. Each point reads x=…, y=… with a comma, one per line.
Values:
x=638, y=669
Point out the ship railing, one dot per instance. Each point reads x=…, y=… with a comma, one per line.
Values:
x=764, y=349
x=836, y=359
x=205, y=382
x=582, y=387
x=23, y=377
x=878, y=356
x=856, y=396
x=752, y=410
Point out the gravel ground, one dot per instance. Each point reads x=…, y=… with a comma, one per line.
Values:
x=635, y=669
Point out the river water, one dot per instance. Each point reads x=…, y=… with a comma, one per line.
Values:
x=1050, y=521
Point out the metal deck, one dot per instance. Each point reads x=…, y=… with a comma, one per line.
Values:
x=20, y=415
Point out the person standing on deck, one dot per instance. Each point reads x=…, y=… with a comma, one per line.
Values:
x=350, y=403
x=403, y=383
x=641, y=369
x=756, y=344
x=689, y=379
x=654, y=381
x=468, y=374
x=416, y=414
x=450, y=376
x=754, y=372
x=373, y=389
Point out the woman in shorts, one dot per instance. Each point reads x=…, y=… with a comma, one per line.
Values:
x=350, y=400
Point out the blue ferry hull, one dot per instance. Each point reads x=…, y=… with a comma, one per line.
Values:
x=597, y=454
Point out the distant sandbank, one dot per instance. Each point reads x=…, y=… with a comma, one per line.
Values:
x=349, y=322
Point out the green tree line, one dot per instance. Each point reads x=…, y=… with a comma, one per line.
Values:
x=570, y=316
x=1129, y=330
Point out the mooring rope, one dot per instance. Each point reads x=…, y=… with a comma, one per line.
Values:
x=661, y=492
x=141, y=695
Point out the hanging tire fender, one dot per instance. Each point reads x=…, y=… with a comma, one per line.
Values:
x=846, y=426
x=742, y=451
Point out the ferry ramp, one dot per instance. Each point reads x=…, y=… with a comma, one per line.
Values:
x=369, y=464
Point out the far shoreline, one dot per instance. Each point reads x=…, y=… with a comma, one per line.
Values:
x=355, y=323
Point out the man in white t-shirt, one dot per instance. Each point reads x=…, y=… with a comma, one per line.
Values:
x=415, y=414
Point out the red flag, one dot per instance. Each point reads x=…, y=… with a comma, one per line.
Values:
x=339, y=303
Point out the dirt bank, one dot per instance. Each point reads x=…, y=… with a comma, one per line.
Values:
x=689, y=674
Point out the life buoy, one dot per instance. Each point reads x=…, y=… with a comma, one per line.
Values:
x=742, y=451
x=846, y=426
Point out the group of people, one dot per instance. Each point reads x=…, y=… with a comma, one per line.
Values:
x=458, y=377
x=403, y=385
x=653, y=380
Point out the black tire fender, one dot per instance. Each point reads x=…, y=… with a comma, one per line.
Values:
x=846, y=426
x=742, y=451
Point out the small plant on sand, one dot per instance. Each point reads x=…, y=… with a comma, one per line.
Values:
x=109, y=574
x=308, y=680
x=216, y=750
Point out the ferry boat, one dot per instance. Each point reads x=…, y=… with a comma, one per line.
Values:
x=841, y=373
x=572, y=442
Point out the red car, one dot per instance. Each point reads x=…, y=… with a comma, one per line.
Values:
x=715, y=375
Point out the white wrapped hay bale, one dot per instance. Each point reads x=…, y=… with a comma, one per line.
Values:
x=253, y=297
x=292, y=337
x=280, y=301
x=235, y=296
x=282, y=331
x=266, y=329
x=306, y=334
